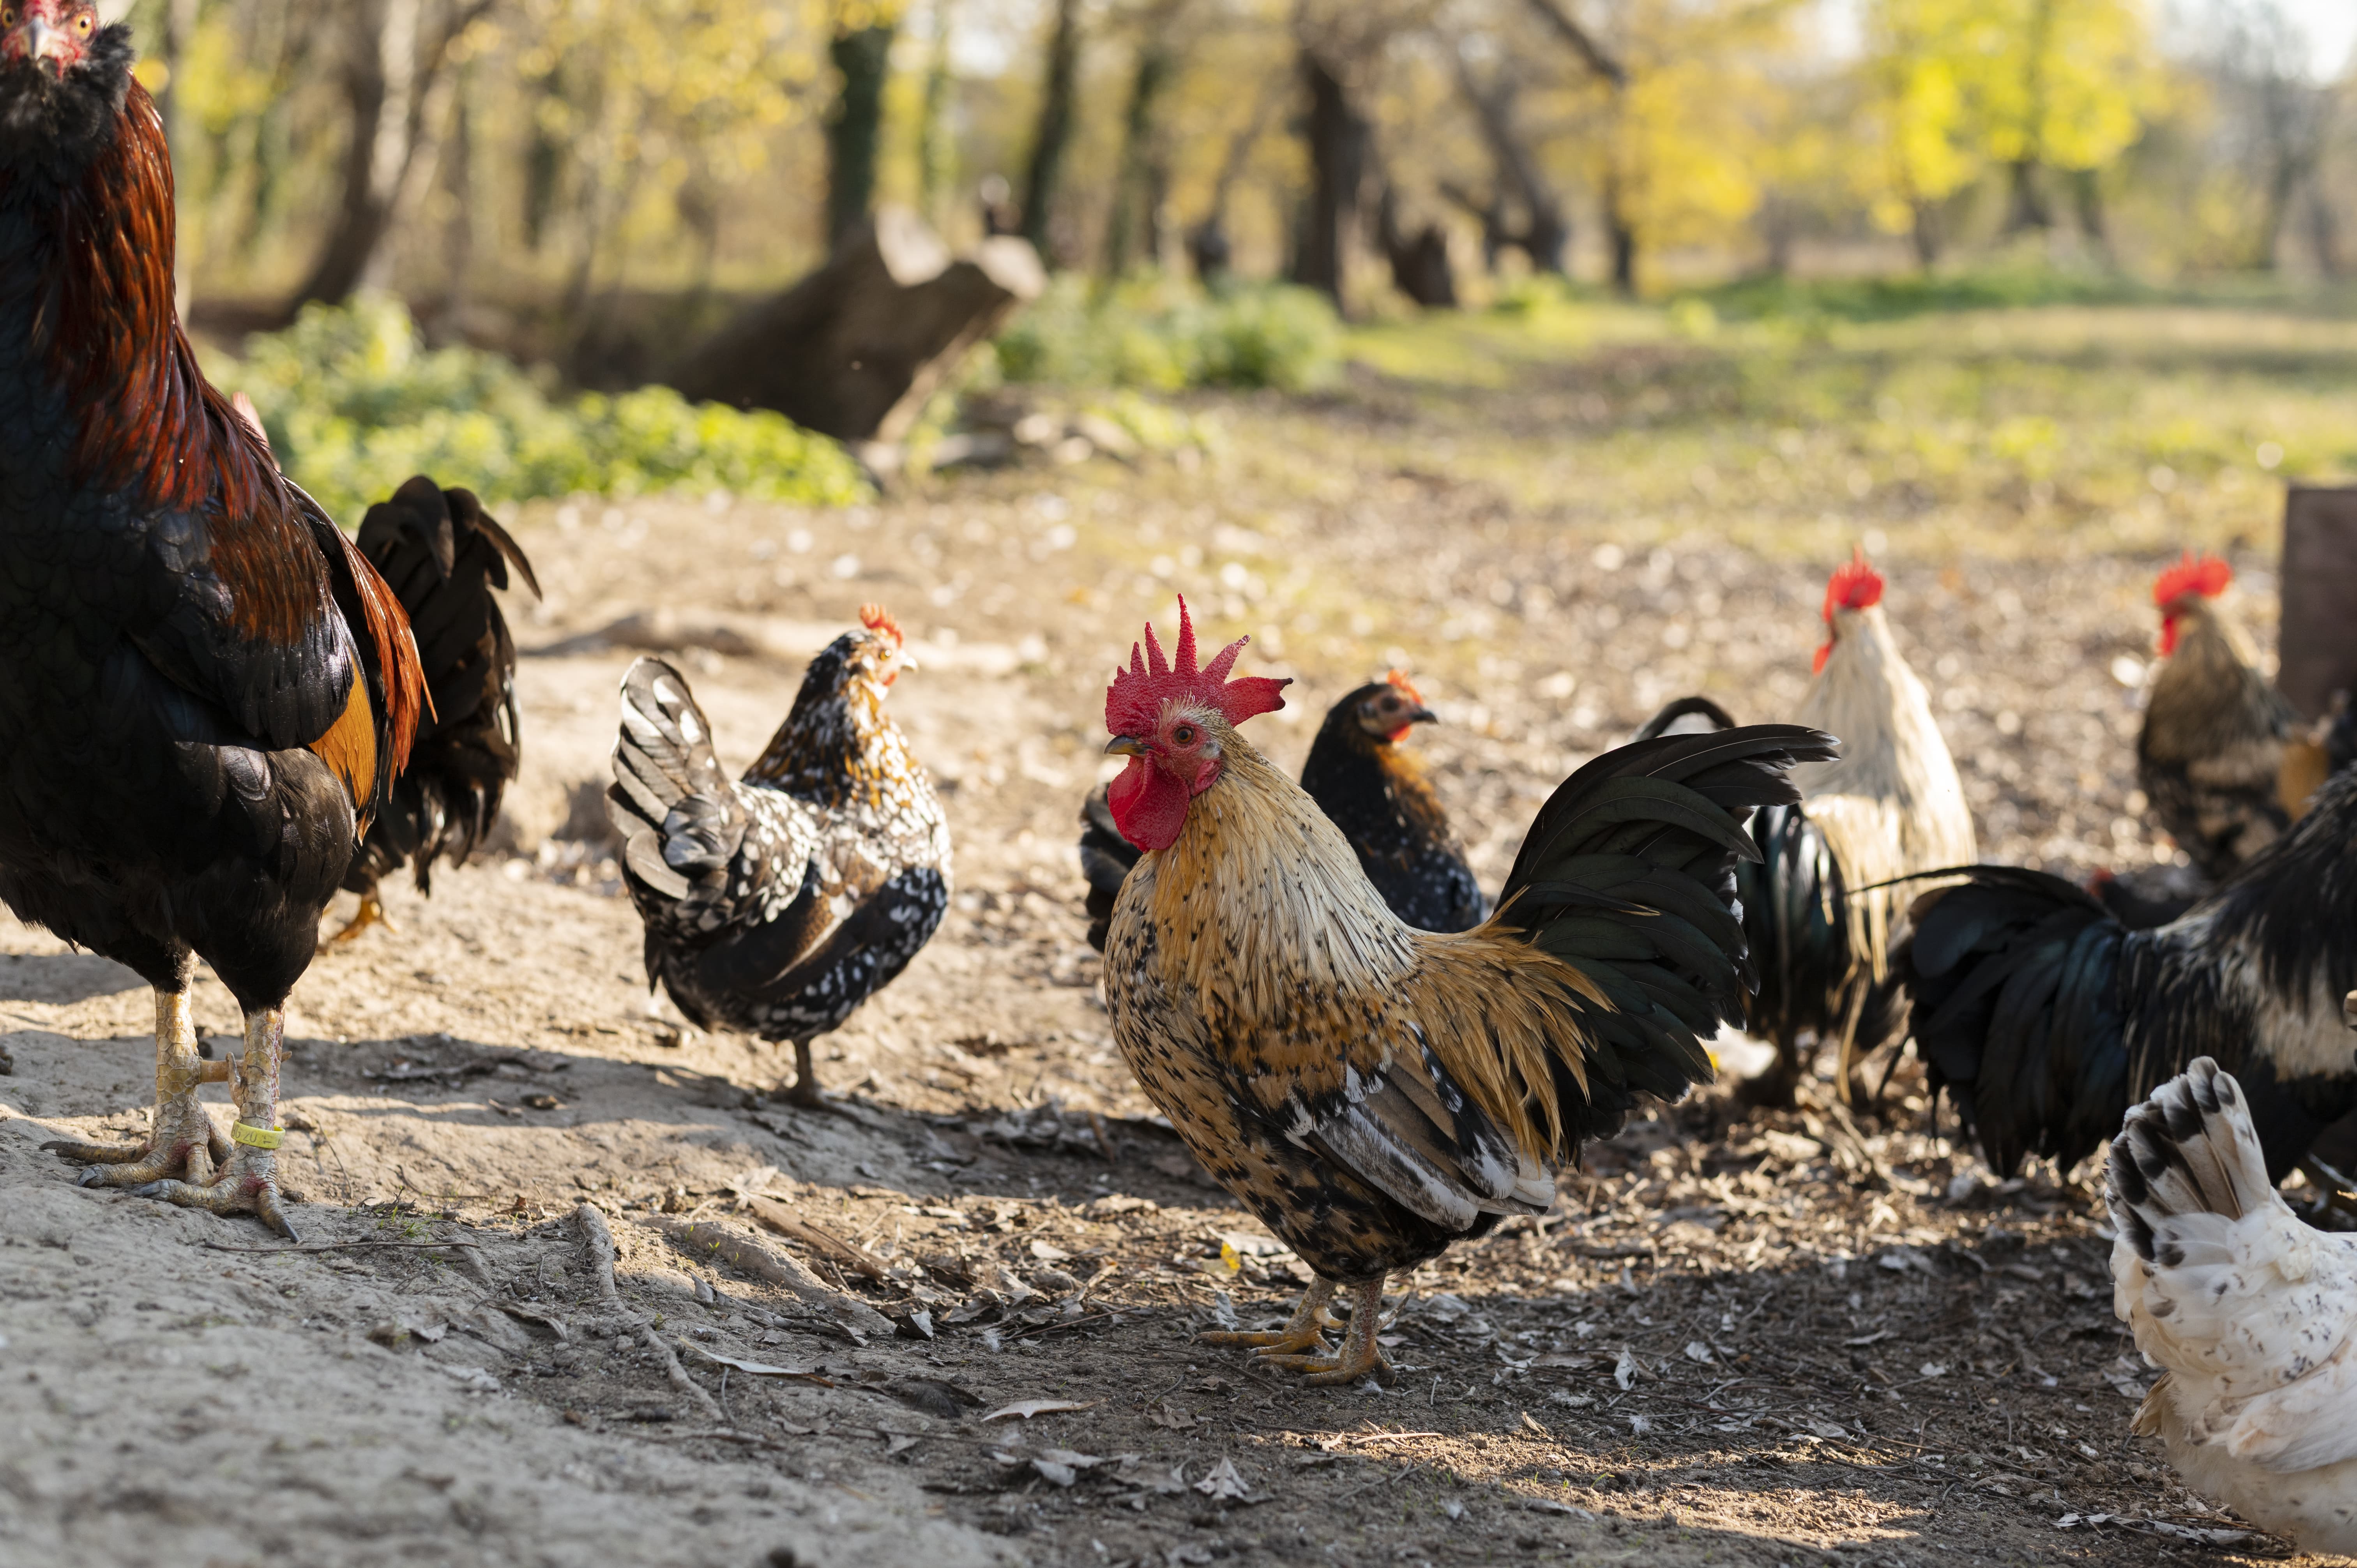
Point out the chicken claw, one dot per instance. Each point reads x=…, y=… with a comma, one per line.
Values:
x=248, y=1183
x=1304, y=1332
x=183, y=1142
x=1360, y=1356
x=370, y=912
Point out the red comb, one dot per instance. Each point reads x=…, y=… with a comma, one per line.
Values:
x=1134, y=702
x=2203, y=575
x=1855, y=585
x=1399, y=678
x=876, y=618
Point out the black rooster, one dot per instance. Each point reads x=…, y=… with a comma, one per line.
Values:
x=442, y=554
x=205, y=689
x=1371, y=788
x=2045, y=1018
x=777, y=904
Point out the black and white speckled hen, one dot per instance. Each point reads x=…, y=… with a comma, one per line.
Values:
x=777, y=903
x=1374, y=790
x=442, y=554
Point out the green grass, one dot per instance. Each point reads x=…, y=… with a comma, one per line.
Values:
x=2022, y=429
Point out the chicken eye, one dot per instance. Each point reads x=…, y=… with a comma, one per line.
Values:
x=8, y=15
x=1184, y=735
x=83, y=23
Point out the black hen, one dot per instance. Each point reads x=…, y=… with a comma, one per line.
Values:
x=442, y=554
x=2046, y=1018
x=1371, y=789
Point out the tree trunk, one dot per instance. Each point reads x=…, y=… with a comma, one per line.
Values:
x=1136, y=187
x=458, y=238
x=1337, y=138
x=1546, y=233
x=2094, y=224
x=2026, y=205
x=1621, y=235
x=936, y=147
x=2323, y=232
x=863, y=64
x=391, y=75
x=1054, y=135
x=178, y=31
x=1207, y=244
x=1419, y=261
x=1925, y=233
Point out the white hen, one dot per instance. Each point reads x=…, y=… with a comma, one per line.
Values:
x=2251, y=1315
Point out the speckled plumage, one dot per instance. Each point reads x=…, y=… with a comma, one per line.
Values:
x=1373, y=1092
x=2251, y=1315
x=2210, y=757
x=777, y=904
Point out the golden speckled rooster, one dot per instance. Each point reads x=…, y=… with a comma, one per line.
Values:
x=1373, y=1092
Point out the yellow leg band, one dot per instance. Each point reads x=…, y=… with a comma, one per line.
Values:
x=256, y=1137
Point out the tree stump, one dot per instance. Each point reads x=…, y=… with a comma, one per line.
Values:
x=854, y=349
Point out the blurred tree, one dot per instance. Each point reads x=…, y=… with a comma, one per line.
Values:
x=2282, y=121
x=1052, y=135
x=861, y=51
x=1142, y=182
x=936, y=156
x=1337, y=138
x=1918, y=63
x=1519, y=175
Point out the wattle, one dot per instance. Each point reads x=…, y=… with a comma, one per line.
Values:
x=1148, y=805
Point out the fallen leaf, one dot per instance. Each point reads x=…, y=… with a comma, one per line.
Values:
x=1167, y=1414
x=1250, y=1245
x=900, y=1444
x=1223, y=1482
x=1625, y=1371
x=1548, y=1505
x=757, y=1368
x=1698, y=1352
x=1047, y=1253
x=1027, y=1409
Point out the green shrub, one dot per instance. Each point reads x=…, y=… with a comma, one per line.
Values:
x=1165, y=337
x=355, y=403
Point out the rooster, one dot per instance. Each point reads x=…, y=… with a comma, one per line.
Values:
x=1376, y=793
x=2045, y=1017
x=2212, y=757
x=1373, y=1092
x=206, y=691
x=2251, y=1315
x=777, y=903
x=1816, y=912
x=442, y=554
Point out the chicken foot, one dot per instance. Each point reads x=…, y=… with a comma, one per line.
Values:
x=803, y=1091
x=248, y=1183
x=1303, y=1332
x=182, y=1140
x=370, y=912
x=1359, y=1357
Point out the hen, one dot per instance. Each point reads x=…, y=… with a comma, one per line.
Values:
x=1817, y=911
x=2046, y=1018
x=775, y=905
x=442, y=554
x=2212, y=757
x=2251, y=1315
x=205, y=689
x=1372, y=1091
x=1374, y=790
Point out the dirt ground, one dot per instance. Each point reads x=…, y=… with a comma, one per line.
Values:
x=1748, y=1339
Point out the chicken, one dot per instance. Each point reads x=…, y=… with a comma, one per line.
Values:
x=442, y=554
x=206, y=691
x=777, y=904
x=1375, y=792
x=2251, y=1315
x=1371, y=1091
x=1816, y=913
x=2044, y=1017
x=2212, y=756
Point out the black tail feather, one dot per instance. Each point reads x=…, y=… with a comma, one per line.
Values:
x=1106, y=858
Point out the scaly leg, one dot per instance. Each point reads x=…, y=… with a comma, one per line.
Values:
x=182, y=1141
x=1360, y=1355
x=1305, y=1332
x=249, y=1183
x=803, y=1091
x=370, y=913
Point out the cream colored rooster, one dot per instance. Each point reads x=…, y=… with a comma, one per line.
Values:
x=1373, y=1092
x=2251, y=1315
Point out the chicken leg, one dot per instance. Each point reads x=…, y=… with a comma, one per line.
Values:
x=1303, y=1332
x=1359, y=1357
x=248, y=1183
x=370, y=912
x=182, y=1140
x=803, y=1091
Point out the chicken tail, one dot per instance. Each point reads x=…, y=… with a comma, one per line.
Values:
x=2011, y=978
x=443, y=555
x=1628, y=875
x=1687, y=716
x=1106, y=858
x=2189, y=1149
x=678, y=817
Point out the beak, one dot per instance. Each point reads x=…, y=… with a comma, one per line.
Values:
x=1420, y=715
x=1125, y=746
x=43, y=40
x=906, y=660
